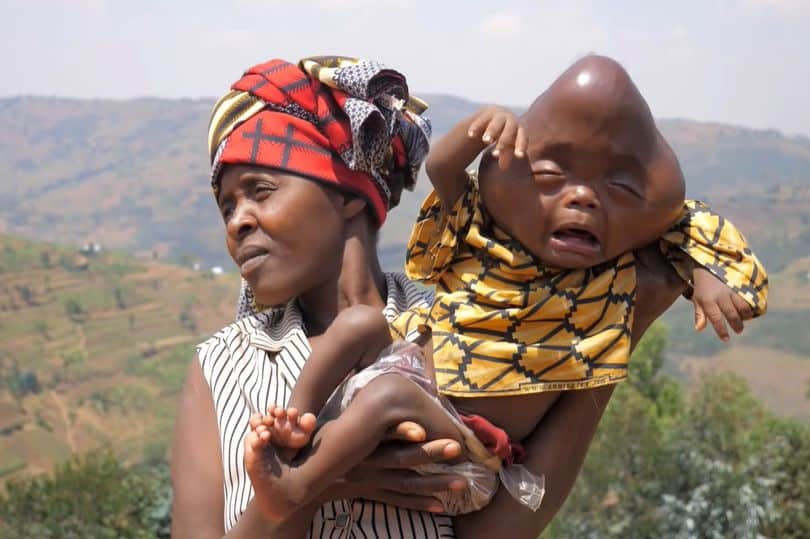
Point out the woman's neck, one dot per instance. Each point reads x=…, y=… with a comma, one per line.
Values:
x=360, y=280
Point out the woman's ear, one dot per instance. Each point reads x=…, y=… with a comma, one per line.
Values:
x=352, y=206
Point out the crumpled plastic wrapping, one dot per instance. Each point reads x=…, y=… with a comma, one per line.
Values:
x=483, y=469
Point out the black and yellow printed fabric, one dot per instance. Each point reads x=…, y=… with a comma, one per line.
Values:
x=505, y=324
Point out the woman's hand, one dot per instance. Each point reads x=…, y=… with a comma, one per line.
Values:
x=386, y=476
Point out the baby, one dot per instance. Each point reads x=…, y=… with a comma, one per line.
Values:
x=534, y=270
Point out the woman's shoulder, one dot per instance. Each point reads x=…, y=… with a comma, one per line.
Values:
x=223, y=335
x=271, y=329
x=240, y=334
x=225, y=339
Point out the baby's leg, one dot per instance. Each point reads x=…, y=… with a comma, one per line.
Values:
x=343, y=443
x=355, y=338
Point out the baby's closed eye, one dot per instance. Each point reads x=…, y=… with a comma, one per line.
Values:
x=626, y=182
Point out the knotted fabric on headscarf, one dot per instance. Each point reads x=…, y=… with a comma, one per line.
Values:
x=343, y=121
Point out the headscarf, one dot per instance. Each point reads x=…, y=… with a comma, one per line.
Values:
x=342, y=121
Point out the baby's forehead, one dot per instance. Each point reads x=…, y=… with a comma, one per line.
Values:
x=594, y=100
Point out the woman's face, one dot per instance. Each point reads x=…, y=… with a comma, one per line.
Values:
x=285, y=232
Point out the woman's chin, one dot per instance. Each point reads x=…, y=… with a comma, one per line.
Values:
x=266, y=300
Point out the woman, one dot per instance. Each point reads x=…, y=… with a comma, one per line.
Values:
x=304, y=169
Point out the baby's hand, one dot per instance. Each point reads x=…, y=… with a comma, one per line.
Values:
x=500, y=126
x=716, y=302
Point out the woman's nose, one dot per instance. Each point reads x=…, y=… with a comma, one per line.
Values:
x=242, y=222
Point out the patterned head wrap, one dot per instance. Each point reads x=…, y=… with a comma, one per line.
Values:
x=342, y=121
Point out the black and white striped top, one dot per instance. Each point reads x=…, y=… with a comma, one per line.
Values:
x=255, y=362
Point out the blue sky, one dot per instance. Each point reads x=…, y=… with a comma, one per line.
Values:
x=744, y=62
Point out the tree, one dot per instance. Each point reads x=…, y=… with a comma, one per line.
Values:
x=75, y=311
x=712, y=464
x=89, y=496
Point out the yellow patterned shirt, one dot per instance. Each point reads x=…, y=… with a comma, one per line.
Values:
x=505, y=324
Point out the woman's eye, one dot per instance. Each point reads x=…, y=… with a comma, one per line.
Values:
x=263, y=191
x=226, y=212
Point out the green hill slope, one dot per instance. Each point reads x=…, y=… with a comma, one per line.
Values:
x=93, y=350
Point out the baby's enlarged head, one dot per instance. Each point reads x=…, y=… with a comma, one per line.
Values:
x=601, y=181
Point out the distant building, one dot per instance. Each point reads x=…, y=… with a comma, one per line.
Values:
x=217, y=270
x=90, y=248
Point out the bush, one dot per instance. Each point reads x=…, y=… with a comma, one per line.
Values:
x=89, y=496
x=712, y=464
x=75, y=310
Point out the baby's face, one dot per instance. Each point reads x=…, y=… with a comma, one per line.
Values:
x=598, y=181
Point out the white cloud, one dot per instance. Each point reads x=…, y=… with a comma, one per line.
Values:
x=501, y=25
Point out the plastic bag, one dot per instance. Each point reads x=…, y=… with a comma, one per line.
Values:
x=523, y=485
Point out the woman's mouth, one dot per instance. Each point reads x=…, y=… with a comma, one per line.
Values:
x=250, y=265
x=575, y=240
x=251, y=258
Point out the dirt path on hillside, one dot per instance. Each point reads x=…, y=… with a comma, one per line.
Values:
x=60, y=404
x=82, y=338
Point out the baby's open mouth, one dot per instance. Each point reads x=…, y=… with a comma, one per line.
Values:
x=577, y=240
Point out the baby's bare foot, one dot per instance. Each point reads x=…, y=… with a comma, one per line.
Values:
x=268, y=474
x=290, y=429
x=257, y=438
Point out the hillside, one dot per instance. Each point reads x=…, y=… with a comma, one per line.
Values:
x=93, y=347
x=133, y=175
x=93, y=350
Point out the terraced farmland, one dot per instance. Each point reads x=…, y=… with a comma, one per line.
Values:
x=93, y=350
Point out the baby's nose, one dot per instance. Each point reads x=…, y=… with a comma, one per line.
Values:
x=582, y=196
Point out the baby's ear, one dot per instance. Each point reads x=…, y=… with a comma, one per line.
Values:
x=352, y=206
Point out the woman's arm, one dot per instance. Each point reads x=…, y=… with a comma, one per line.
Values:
x=198, y=504
x=563, y=439
x=196, y=464
x=559, y=445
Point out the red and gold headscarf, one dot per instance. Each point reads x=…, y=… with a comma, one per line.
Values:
x=338, y=120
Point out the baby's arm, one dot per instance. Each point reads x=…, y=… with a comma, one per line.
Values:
x=449, y=157
x=728, y=281
x=717, y=303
